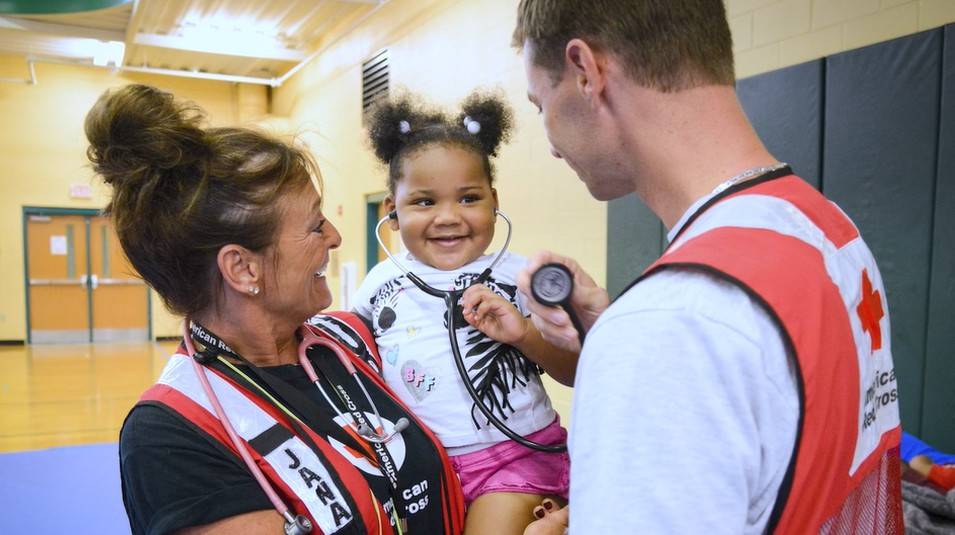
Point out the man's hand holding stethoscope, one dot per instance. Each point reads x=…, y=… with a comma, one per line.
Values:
x=585, y=299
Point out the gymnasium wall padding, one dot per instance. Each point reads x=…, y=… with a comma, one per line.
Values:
x=879, y=161
x=938, y=408
x=785, y=107
x=635, y=238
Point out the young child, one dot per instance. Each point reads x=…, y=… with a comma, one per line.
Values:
x=440, y=190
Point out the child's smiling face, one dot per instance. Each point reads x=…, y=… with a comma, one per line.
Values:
x=445, y=206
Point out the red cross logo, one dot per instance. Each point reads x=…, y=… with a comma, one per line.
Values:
x=870, y=311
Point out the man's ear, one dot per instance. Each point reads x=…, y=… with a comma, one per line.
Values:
x=392, y=211
x=588, y=67
x=240, y=269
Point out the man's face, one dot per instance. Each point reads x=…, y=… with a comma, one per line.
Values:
x=573, y=128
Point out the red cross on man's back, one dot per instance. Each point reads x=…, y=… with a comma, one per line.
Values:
x=870, y=311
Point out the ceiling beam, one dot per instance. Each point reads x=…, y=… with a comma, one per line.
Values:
x=60, y=30
x=132, y=28
x=248, y=48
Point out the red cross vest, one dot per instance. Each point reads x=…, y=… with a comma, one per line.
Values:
x=803, y=260
x=333, y=494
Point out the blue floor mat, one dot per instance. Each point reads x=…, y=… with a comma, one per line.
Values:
x=74, y=489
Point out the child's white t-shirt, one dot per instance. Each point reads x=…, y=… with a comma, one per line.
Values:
x=411, y=331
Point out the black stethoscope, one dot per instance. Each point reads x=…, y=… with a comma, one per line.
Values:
x=294, y=524
x=451, y=299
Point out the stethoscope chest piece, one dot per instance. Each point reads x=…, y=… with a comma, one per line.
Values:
x=552, y=284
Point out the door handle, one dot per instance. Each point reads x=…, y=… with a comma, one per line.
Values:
x=83, y=279
x=94, y=281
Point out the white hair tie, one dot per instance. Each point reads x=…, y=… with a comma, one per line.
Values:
x=472, y=126
x=404, y=127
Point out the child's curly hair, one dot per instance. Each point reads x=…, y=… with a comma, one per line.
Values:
x=403, y=125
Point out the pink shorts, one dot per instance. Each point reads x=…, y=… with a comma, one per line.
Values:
x=510, y=467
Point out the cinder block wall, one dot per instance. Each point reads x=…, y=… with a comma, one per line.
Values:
x=771, y=34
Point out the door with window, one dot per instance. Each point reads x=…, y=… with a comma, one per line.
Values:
x=375, y=210
x=80, y=287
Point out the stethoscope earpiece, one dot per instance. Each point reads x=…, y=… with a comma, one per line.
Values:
x=393, y=215
x=298, y=525
x=368, y=433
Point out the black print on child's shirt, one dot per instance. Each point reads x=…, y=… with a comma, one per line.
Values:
x=383, y=305
x=495, y=369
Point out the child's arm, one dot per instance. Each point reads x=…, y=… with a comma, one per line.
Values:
x=500, y=320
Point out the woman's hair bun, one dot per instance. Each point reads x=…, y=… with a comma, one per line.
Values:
x=495, y=117
x=394, y=121
x=137, y=133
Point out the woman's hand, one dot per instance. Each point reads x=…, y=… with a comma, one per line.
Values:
x=493, y=315
x=588, y=302
x=550, y=521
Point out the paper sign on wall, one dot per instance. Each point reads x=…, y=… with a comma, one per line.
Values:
x=81, y=191
x=58, y=245
x=347, y=277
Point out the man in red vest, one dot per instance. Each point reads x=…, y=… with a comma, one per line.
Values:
x=744, y=383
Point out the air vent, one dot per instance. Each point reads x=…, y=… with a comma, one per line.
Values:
x=374, y=80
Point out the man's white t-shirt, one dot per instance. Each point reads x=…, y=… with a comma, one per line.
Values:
x=411, y=331
x=685, y=411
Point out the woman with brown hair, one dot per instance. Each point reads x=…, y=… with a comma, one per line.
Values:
x=256, y=413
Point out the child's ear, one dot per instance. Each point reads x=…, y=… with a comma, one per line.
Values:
x=392, y=211
x=494, y=194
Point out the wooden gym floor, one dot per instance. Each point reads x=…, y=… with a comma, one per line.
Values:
x=66, y=395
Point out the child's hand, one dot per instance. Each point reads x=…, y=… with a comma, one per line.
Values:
x=493, y=315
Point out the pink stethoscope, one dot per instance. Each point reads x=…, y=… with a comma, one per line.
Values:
x=294, y=524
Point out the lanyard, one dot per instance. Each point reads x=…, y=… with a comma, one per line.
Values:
x=386, y=463
x=211, y=349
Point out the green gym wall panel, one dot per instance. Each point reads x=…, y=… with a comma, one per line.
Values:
x=785, y=107
x=879, y=163
x=938, y=414
x=635, y=239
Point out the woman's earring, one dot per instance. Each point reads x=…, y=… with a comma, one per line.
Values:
x=253, y=290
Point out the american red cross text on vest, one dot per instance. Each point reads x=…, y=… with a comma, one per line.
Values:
x=870, y=311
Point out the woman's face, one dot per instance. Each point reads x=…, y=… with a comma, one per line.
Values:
x=296, y=263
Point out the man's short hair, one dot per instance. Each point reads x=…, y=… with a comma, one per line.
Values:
x=667, y=45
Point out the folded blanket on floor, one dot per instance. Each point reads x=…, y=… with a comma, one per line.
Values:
x=927, y=511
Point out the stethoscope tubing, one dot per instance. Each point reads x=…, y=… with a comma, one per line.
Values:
x=200, y=370
x=295, y=524
x=451, y=302
x=378, y=435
